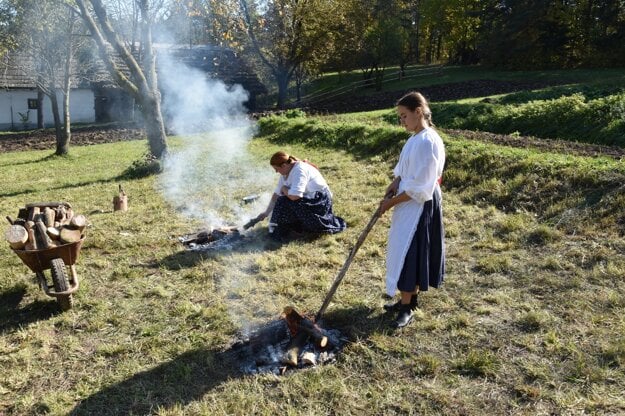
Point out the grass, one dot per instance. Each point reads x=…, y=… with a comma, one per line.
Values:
x=529, y=320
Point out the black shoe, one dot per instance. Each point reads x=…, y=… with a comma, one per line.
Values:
x=394, y=307
x=404, y=316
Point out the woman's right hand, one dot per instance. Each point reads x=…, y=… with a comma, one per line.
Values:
x=391, y=190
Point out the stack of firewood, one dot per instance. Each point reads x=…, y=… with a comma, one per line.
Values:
x=41, y=226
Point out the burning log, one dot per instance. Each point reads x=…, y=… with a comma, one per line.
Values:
x=298, y=323
x=208, y=236
x=295, y=346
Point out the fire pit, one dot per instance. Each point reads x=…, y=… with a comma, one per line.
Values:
x=211, y=239
x=268, y=350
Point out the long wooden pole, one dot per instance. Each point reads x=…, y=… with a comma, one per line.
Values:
x=339, y=277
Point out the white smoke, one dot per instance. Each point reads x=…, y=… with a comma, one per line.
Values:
x=207, y=176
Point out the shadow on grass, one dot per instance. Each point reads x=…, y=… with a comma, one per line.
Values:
x=13, y=317
x=190, y=376
x=180, y=381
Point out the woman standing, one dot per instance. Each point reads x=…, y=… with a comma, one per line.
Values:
x=415, y=258
x=302, y=201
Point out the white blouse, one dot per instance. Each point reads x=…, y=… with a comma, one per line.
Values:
x=420, y=165
x=303, y=181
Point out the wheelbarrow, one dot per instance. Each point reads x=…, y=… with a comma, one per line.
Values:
x=58, y=259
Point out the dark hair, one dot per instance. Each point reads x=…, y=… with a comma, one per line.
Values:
x=280, y=157
x=414, y=100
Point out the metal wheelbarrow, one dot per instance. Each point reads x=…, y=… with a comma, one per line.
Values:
x=59, y=259
x=55, y=259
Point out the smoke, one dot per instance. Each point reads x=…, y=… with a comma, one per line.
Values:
x=210, y=170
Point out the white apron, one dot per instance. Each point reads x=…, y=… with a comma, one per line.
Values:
x=420, y=165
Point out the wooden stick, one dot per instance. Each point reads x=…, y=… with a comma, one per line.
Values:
x=341, y=274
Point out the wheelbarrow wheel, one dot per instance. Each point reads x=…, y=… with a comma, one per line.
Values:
x=60, y=281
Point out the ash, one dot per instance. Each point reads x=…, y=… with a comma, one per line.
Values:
x=227, y=242
x=263, y=350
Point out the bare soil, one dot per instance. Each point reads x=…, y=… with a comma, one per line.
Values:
x=45, y=139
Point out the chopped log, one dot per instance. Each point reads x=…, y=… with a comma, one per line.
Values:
x=29, y=225
x=78, y=222
x=295, y=346
x=69, y=214
x=49, y=214
x=54, y=233
x=33, y=212
x=308, y=358
x=17, y=236
x=41, y=235
x=60, y=213
x=31, y=244
x=298, y=323
x=69, y=235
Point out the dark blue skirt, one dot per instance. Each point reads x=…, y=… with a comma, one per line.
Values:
x=312, y=215
x=425, y=261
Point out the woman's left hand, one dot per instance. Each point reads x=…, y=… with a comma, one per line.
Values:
x=385, y=205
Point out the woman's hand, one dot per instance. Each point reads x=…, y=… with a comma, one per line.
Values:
x=386, y=204
x=284, y=190
x=391, y=190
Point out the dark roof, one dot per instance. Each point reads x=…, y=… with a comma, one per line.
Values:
x=17, y=71
x=217, y=62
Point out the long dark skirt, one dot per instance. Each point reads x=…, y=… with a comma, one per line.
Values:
x=312, y=215
x=425, y=261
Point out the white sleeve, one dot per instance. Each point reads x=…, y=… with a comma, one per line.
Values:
x=278, y=190
x=299, y=180
x=421, y=179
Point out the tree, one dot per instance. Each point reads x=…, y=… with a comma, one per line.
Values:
x=285, y=34
x=141, y=83
x=47, y=51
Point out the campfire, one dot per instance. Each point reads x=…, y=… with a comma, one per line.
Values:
x=293, y=342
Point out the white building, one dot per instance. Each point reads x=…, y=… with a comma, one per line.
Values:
x=19, y=102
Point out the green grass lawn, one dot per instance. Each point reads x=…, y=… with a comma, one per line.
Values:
x=529, y=320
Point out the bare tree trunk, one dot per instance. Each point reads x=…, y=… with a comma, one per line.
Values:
x=154, y=126
x=40, y=96
x=62, y=146
x=58, y=131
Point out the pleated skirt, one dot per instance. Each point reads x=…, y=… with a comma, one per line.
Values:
x=424, y=265
x=313, y=215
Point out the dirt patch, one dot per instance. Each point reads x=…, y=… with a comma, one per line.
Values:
x=548, y=145
x=348, y=103
x=46, y=140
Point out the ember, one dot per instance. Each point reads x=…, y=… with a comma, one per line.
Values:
x=265, y=350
